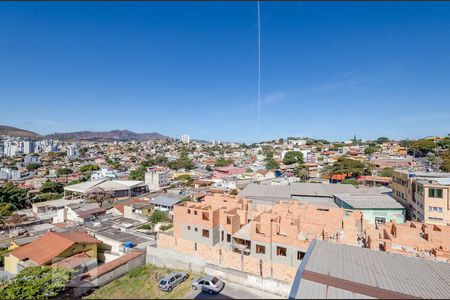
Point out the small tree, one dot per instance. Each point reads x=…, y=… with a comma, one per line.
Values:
x=99, y=195
x=387, y=172
x=51, y=187
x=293, y=157
x=158, y=216
x=233, y=192
x=37, y=283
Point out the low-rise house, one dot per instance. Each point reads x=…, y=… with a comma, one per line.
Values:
x=78, y=213
x=376, y=208
x=51, y=248
x=166, y=202
x=227, y=171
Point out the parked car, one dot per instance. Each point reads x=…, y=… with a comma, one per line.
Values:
x=169, y=282
x=208, y=284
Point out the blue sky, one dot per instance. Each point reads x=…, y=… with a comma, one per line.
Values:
x=329, y=70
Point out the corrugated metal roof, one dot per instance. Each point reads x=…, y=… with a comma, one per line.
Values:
x=368, y=201
x=408, y=275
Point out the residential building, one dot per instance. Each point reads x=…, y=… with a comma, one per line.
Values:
x=376, y=208
x=103, y=173
x=28, y=147
x=51, y=248
x=337, y=271
x=78, y=213
x=166, y=202
x=156, y=178
x=280, y=235
x=426, y=195
x=73, y=151
x=185, y=138
x=30, y=159
x=227, y=171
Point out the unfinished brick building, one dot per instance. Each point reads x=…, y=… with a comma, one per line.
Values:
x=412, y=239
x=280, y=234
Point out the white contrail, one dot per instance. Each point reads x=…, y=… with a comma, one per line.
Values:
x=259, y=72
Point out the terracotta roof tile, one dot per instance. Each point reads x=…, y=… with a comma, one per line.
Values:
x=50, y=245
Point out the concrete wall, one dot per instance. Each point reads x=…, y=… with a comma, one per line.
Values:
x=187, y=251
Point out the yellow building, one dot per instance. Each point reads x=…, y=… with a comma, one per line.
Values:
x=426, y=195
x=51, y=248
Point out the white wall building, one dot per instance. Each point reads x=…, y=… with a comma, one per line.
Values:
x=185, y=138
x=156, y=177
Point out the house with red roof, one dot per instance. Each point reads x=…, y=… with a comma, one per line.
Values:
x=54, y=249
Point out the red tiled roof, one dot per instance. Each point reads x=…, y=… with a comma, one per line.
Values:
x=72, y=261
x=50, y=245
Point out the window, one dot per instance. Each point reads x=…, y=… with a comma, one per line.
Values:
x=435, y=219
x=281, y=251
x=205, y=233
x=260, y=249
x=205, y=216
x=195, y=229
x=300, y=255
x=228, y=220
x=380, y=220
x=229, y=238
x=195, y=212
x=189, y=227
x=435, y=193
x=323, y=209
x=189, y=211
x=434, y=208
x=420, y=189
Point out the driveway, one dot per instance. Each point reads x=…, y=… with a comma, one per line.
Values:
x=233, y=291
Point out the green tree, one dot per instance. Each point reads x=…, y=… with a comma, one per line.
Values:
x=222, y=162
x=64, y=171
x=234, y=192
x=293, y=157
x=37, y=282
x=99, y=196
x=445, y=143
x=33, y=166
x=208, y=168
x=9, y=193
x=302, y=172
x=51, y=187
x=423, y=146
x=387, y=172
x=271, y=164
x=382, y=140
x=89, y=168
x=158, y=216
x=348, y=166
x=248, y=170
x=370, y=150
x=350, y=181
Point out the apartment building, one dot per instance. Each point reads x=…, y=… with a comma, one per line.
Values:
x=426, y=195
x=156, y=178
x=280, y=234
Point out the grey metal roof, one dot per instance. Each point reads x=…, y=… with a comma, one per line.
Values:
x=370, y=201
x=297, y=189
x=165, y=200
x=394, y=272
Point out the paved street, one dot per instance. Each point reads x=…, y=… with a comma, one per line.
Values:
x=233, y=291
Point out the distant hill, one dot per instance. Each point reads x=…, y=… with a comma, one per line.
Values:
x=17, y=132
x=121, y=135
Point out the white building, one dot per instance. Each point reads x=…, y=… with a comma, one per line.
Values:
x=185, y=138
x=29, y=159
x=104, y=172
x=156, y=177
x=73, y=151
x=28, y=147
